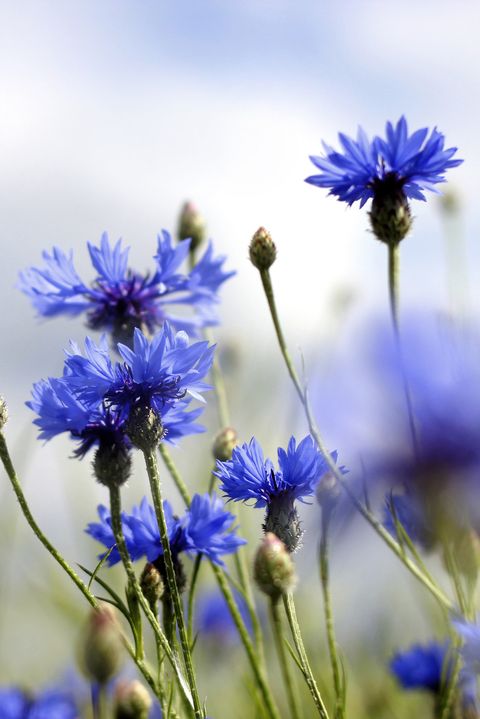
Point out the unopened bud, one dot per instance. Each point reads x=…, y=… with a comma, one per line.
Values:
x=151, y=583
x=274, y=571
x=102, y=654
x=112, y=465
x=450, y=202
x=132, y=701
x=144, y=428
x=3, y=413
x=191, y=225
x=224, y=443
x=390, y=215
x=262, y=250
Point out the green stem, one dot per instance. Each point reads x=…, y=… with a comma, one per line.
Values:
x=394, y=294
x=116, y=516
x=191, y=596
x=7, y=463
x=257, y=669
x=282, y=658
x=328, y=612
x=377, y=526
x=10, y=470
x=302, y=655
x=240, y=562
x=154, y=479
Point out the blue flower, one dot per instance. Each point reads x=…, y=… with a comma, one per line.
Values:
x=205, y=528
x=422, y=667
x=470, y=650
x=365, y=168
x=50, y=704
x=248, y=476
x=119, y=299
x=214, y=620
x=93, y=399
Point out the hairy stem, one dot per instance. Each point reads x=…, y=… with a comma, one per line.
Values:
x=283, y=659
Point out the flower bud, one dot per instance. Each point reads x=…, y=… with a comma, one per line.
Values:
x=390, y=215
x=102, y=652
x=131, y=701
x=224, y=443
x=191, y=225
x=151, y=583
x=144, y=428
x=3, y=413
x=262, y=250
x=273, y=569
x=112, y=465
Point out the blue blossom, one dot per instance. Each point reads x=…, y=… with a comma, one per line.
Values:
x=50, y=704
x=120, y=299
x=248, y=476
x=205, y=528
x=470, y=633
x=214, y=620
x=362, y=170
x=93, y=399
x=422, y=666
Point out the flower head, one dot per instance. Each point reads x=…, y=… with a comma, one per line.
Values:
x=94, y=398
x=411, y=163
x=248, y=476
x=120, y=299
x=205, y=528
x=422, y=666
x=49, y=704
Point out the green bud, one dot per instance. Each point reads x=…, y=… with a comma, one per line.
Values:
x=191, y=225
x=3, y=413
x=151, y=583
x=273, y=569
x=144, y=428
x=262, y=250
x=112, y=465
x=390, y=215
x=224, y=443
x=102, y=651
x=131, y=701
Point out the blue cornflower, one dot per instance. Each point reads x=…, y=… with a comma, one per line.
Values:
x=470, y=650
x=205, y=528
x=119, y=299
x=50, y=704
x=248, y=476
x=155, y=374
x=413, y=163
x=94, y=397
x=214, y=619
x=387, y=170
x=423, y=667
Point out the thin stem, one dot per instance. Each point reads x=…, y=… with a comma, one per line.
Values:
x=116, y=510
x=302, y=655
x=257, y=669
x=303, y=395
x=154, y=479
x=394, y=295
x=10, y=470
x=277, y=629
x=328, y=612
x=191, y=596
x=240, y=559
